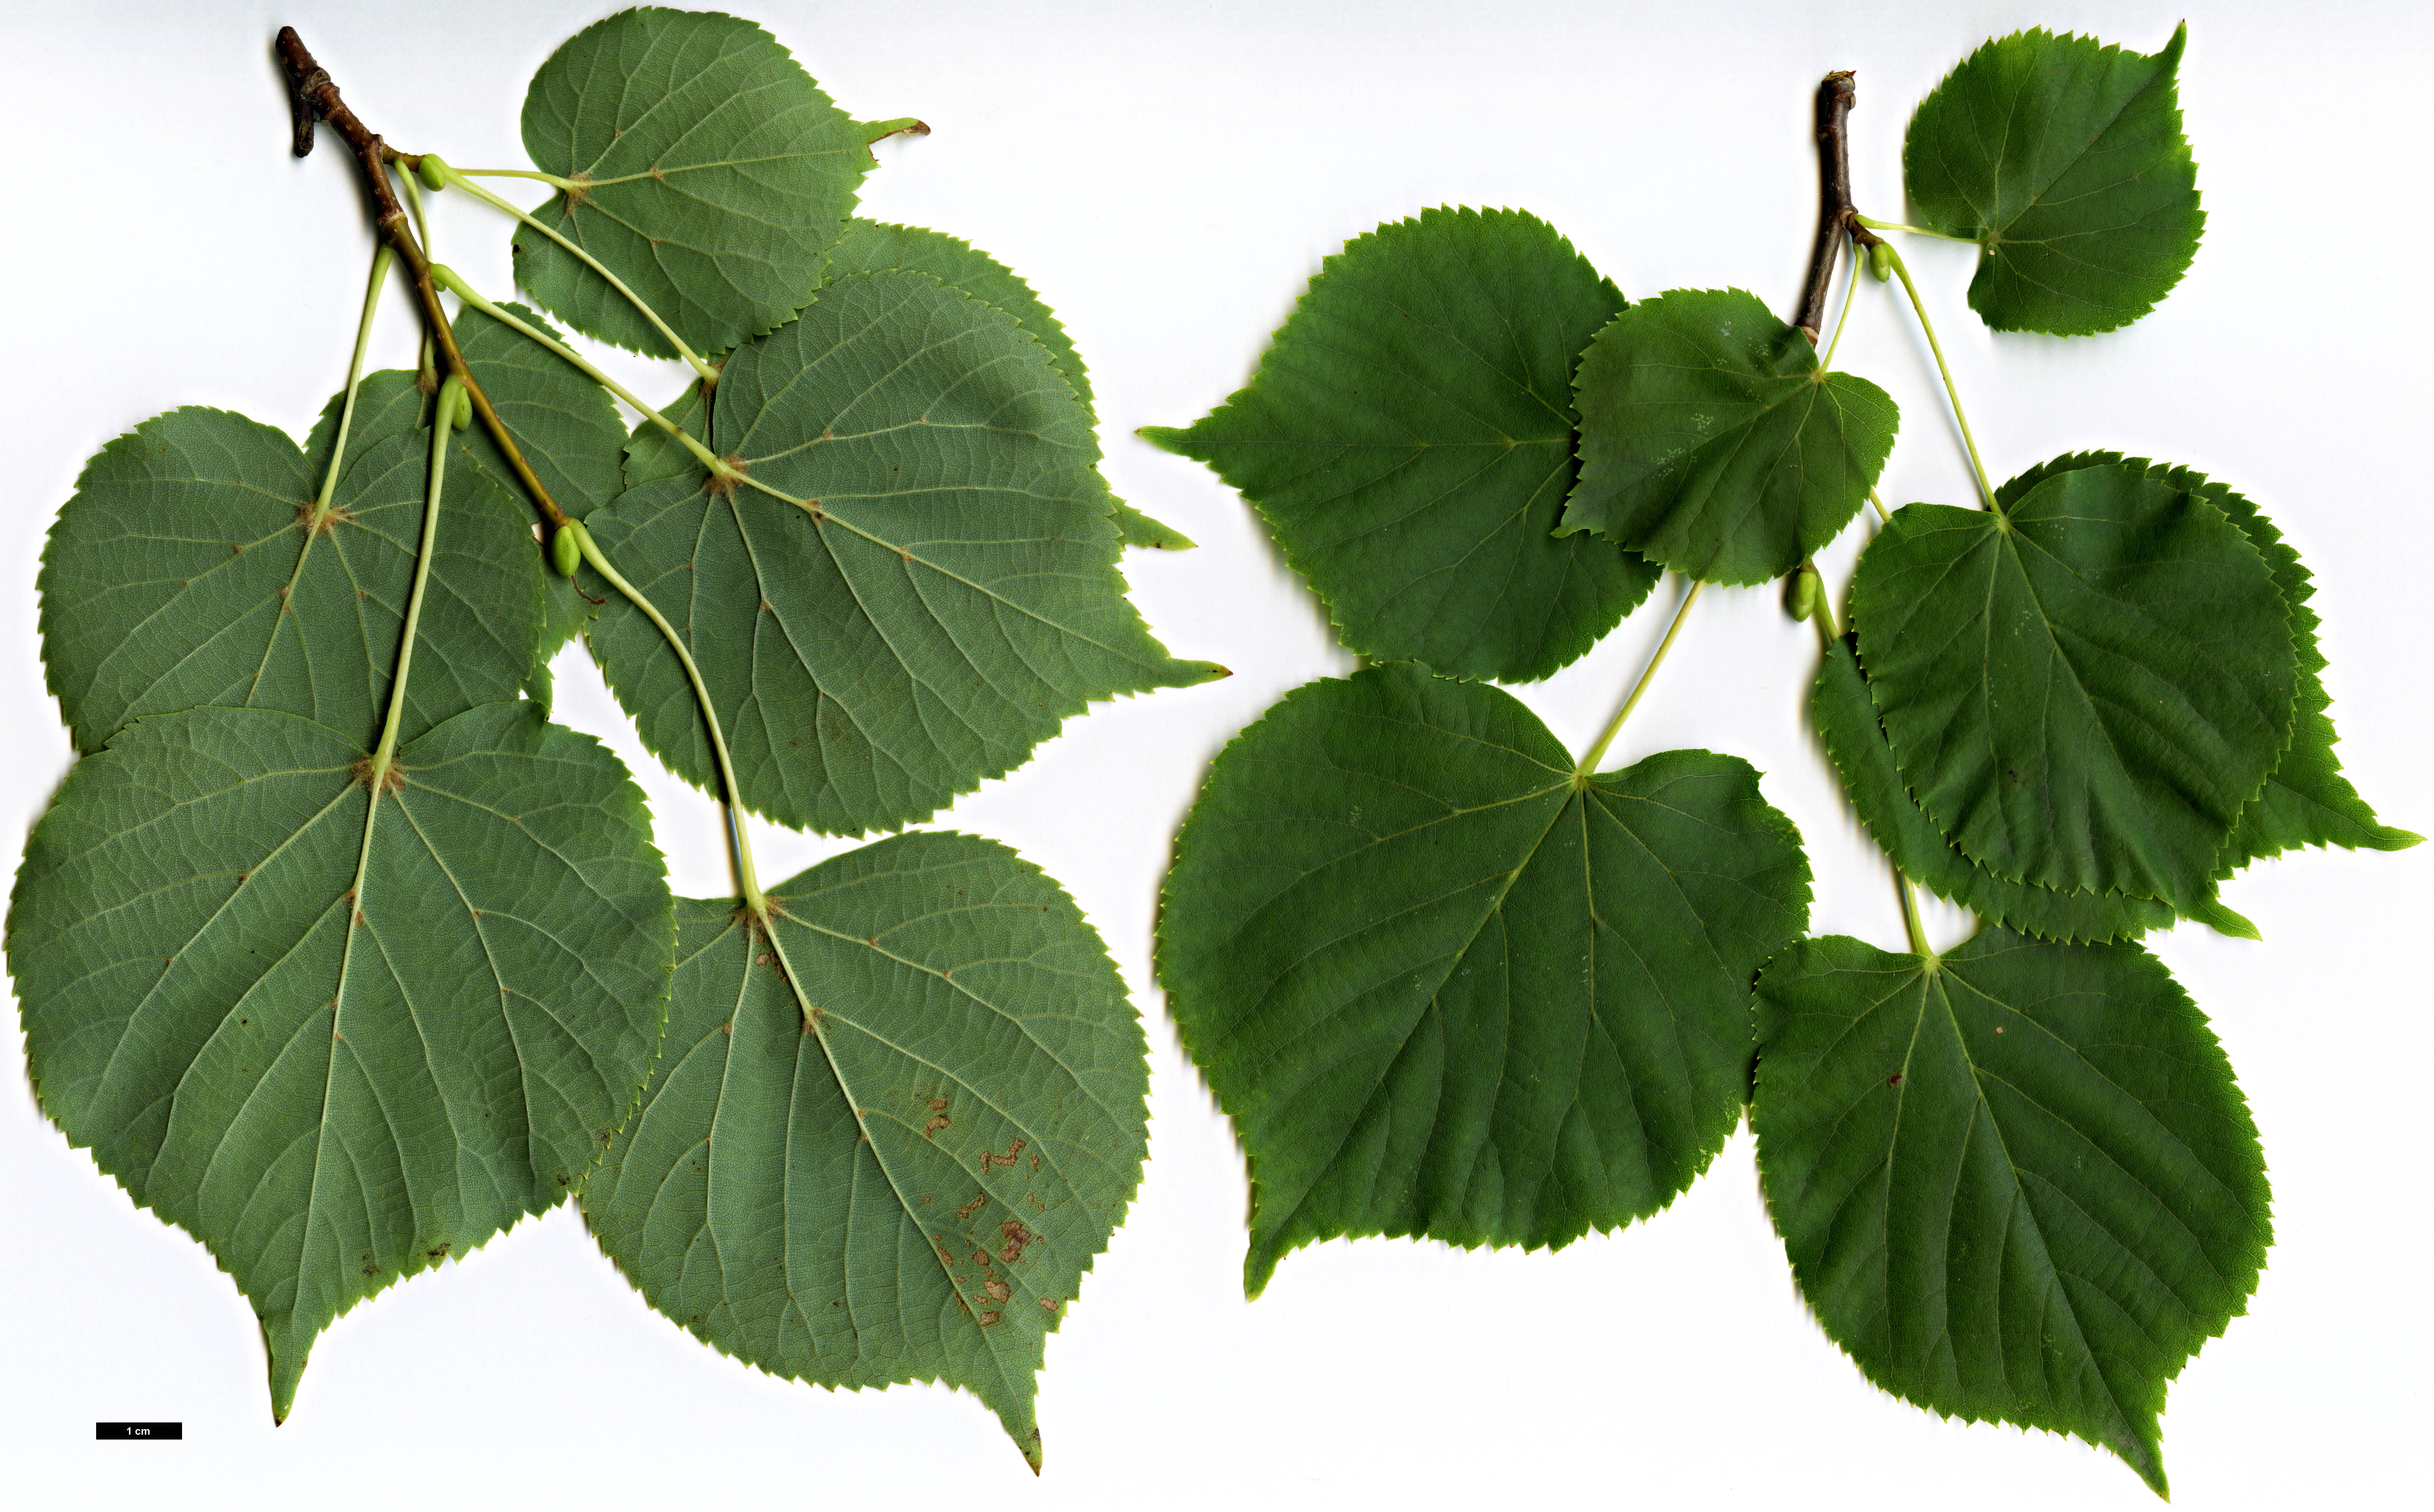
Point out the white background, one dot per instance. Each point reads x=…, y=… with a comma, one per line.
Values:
x=1169, y=177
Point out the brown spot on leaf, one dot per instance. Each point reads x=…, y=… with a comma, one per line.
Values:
x=972, y=1207
x=441, y=1250
x=1894, y=1080
x=997, y=1291
x=720, y=485
x=991, y=1316
x=939, y=1120
x=578, y=188
x=1016, y=1236
x=990, y=1158
x=657, y=172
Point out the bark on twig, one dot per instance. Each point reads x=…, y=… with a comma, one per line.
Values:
x=313, y=95
x=1836, y=216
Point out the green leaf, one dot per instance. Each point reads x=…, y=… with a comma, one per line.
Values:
x=2307, y=801
x=1711, y=441
x=873, y=246
x=2017, y=1183
x=913, y=1189
x=183, y=573
x=870, y=247
x=715, y=174
x=1446, y=989
x=2064, y=159
x=2083, y=685
x=337, y=1041
x=569, y=432
x=1408, y=438
x=651, y=454
x=942, y=595
x=1846, y=724
x=565, y=424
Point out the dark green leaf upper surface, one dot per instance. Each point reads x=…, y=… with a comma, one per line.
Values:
x=715, y=175
x=2017, y=1183
x=940, y=593
x=1409, y=441
x=185, y=573
x=2084, y=685
x=1444, y=988
x=2064, y=159
x=1711, y=442
x=2307, y=801
x=339, y=1041
x=914, y=1189
x=1846, y=723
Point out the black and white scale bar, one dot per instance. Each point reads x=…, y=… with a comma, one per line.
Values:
x=138, y=1430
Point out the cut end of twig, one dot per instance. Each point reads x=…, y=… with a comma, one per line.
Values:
x=729, y=473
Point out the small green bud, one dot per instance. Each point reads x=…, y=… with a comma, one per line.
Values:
x=434, y=171
x=1880, y=260
x=464, y=416
x=1805, y=591
x=564, y=552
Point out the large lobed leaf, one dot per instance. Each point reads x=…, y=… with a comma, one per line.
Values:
x=2064, y=159
x=942, y=595
x=184, y=572
x=887, y=1145
x=2015, y=1182
x=715, y=175
x=1409, y=441
x=2083, y=685
x=1711, y=440
x=1444, y=987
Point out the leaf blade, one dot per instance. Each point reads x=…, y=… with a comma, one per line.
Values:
x=1408, y=441
x=716, y=175
x=2016, y=1183
x=1712, y=442
x=973, y=1042
x=2064, y=159
x=461, y=1025
x=946, y=595
x=1424, y=971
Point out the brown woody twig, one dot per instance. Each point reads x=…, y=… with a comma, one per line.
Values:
x=313, y=95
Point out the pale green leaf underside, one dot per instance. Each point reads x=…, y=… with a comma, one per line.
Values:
x=2083, y=688
x=334, y=1088
x=2019, y=1185
x=1408, y=438
x=913, y=1191
x=944, y=597
x=2308, y=801
x=568, y=430
x=1444, y=990
x=718, y=176
x=870, y=247
x=2064, y=159
x=1711, y=443
x=180, y=574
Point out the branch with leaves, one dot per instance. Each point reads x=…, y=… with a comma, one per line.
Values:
x=340, y=955
x=1450, y=983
